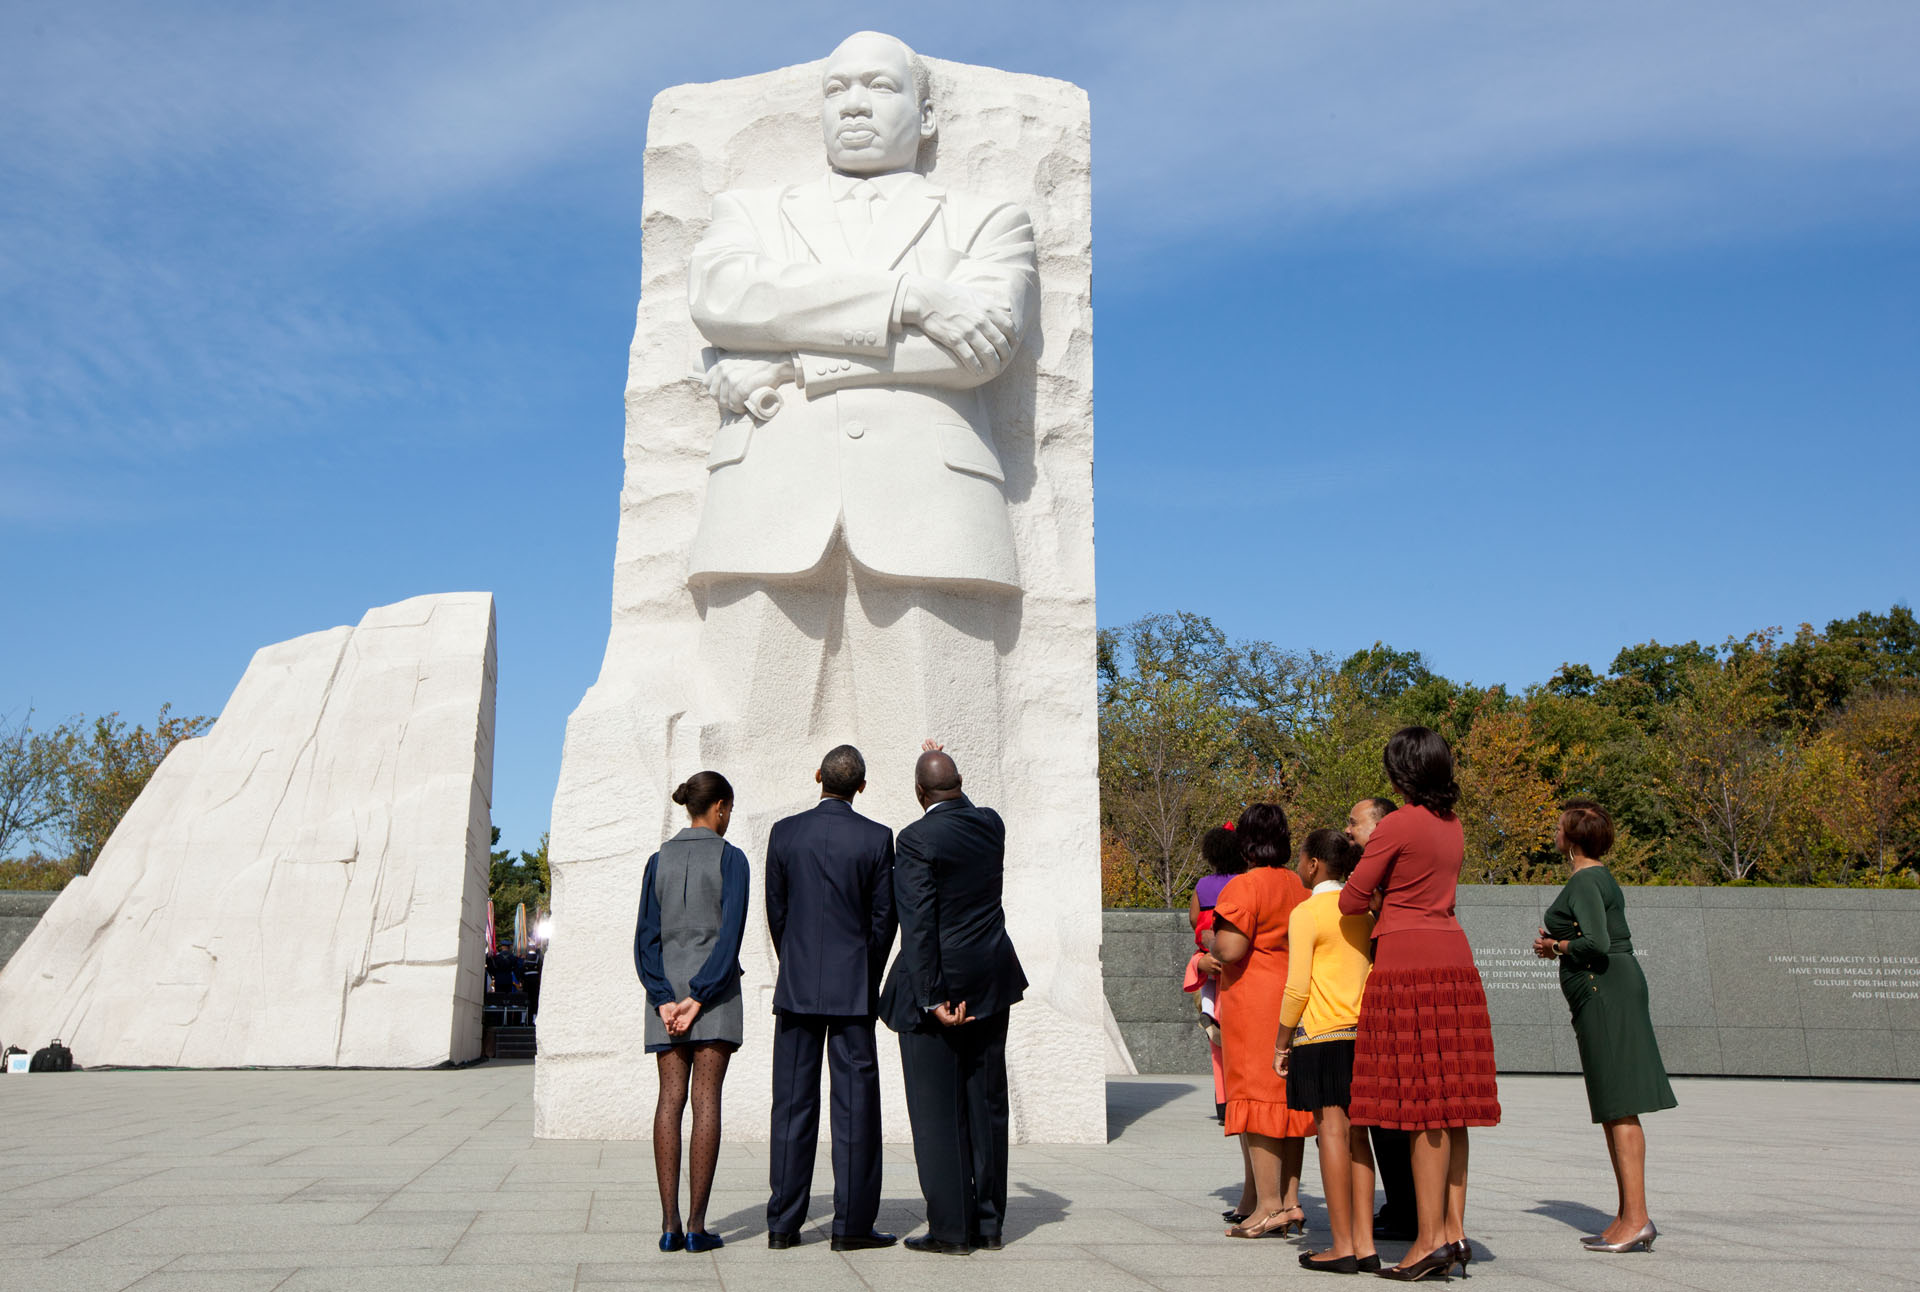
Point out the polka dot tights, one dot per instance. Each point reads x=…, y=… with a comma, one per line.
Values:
x=700, y=1069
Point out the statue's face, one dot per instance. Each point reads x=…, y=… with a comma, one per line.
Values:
x=869, y=114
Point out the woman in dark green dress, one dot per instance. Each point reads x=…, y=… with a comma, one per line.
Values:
x=1586, y=930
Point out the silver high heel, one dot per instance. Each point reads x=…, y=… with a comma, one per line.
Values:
x=1640, y=1242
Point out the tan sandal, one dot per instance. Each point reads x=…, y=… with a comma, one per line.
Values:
x=1271, y=1223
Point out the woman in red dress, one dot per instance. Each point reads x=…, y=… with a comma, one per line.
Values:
x=1423, y=1056
x=1250, y=941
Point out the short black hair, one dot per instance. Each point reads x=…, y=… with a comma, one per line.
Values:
x=1221, y=851
x=1332, y=849
x=1587, y=827
x=1263, y=834
x=843, y=771
x=1420, y=764
x=1381, y=806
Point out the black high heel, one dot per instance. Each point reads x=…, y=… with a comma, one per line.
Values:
x=1438, y=1261
x=1462, y=1253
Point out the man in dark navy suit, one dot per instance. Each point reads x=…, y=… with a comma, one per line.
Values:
x=948, y=997
x=830, y=909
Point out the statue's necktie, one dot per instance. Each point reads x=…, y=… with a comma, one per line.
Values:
x=859, y=203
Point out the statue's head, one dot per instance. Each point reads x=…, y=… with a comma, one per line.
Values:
x=875, y=110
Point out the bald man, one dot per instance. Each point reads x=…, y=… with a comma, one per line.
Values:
x=948, y=997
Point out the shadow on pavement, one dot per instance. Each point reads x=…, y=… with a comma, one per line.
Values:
x=1574, y=1215
x=1129, y=1101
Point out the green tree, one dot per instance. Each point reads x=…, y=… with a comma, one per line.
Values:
x=1817, y=672
x=106, y=769
x=514, y=880
x=1171, y=767
x=1339, y=760
x=1727, y=762
x=33, y=765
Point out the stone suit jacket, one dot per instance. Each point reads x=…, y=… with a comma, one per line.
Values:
x=886, y=439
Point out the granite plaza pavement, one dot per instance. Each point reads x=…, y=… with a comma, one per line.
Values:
x=432, y=1180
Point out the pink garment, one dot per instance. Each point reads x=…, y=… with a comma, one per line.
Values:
x=1194, y=980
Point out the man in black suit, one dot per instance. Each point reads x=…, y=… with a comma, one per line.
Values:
x=830, y=909
x=948, y=997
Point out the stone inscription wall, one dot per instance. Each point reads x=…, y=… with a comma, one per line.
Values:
x=1788, y=982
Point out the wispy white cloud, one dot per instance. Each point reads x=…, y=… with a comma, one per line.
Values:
x=1246, y=111
x=195, y=190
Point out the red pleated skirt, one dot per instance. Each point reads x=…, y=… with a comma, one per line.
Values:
x=1423, y=1056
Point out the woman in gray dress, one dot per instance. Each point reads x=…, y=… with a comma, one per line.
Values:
x=693, y=912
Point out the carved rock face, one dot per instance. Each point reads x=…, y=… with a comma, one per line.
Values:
x=779, y=649
x=306, y=884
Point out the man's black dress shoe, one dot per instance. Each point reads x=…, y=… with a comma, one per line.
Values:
x=780, y=1242
x=989, y=1242
x=1393, y=1228
x=928, y=1243
x=861, y=1242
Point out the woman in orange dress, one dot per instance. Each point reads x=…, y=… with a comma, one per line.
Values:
x=1250, y=941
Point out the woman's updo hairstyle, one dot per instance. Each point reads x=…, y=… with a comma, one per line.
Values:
x=1332, y=849
x=1263, y=835
x=1420, y=765
x=1221, y=851
x=701, y=791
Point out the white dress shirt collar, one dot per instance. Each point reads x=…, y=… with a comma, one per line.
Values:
x=890, y=185
x=1328, y=886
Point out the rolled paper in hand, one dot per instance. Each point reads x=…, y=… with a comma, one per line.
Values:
x=763, y=403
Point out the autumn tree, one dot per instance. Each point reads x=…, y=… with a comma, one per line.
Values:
x=1880, y=733
x=1726, y=762
x=1507, y=804
x=1826, y=822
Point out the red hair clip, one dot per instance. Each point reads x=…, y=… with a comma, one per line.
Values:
x=1226, y=825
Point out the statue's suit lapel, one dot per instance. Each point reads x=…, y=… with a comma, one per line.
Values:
x=902, y=219
x=901, y=222
x=809, y=213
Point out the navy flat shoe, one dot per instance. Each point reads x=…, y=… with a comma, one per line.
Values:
x=699, y=1240
x=673, y=1241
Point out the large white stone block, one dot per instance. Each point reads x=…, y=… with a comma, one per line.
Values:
x=936, y=627
x=304, y=885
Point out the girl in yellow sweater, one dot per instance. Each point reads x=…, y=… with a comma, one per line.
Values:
x=1314, y=1051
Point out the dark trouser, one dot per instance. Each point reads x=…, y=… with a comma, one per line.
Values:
x=1393, y=1160
x=956, y=1081
x=855, y=1075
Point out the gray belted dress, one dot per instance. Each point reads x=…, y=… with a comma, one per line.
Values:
x=693, y=913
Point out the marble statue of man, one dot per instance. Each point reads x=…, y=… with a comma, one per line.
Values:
x=854, y=319
x=874, y=304
x=862, y=515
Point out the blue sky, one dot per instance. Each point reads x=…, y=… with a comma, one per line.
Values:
x=1511, y=333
